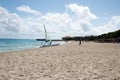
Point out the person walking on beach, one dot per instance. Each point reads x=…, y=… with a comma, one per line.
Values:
x=79, y=42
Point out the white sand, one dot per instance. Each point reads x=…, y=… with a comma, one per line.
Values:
x=89, y=61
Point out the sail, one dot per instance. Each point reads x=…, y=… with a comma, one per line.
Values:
x=45, y=34
x=47, y=38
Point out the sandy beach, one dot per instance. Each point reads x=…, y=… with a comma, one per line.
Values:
x=89, y=61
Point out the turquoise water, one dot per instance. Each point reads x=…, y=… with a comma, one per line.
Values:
x=19, y=44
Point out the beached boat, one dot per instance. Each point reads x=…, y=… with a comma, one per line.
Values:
x=47, y=40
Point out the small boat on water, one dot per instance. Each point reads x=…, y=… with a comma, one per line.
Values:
x=47, y=40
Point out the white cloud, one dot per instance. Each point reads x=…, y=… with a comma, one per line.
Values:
x=112, y=25
x=9, y=22
x=27, y=9
x=12, y=26
x=57, y=24
x=81, y=11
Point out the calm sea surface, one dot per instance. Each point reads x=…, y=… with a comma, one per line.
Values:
x=19, y=44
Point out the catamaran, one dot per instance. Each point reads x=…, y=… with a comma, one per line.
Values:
x=47, y=40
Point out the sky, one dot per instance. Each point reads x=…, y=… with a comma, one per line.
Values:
x=24, y=19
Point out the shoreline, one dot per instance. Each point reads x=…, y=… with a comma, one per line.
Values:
x=70, y=61
x=17, y=47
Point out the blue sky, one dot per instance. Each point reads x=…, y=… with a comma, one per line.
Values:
x=100, y=8
x=83, y=17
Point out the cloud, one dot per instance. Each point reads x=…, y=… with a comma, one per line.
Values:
x=27, y=9
x=9, y=22
x=110, y=26
x=12, y=26
x=81, y=11
x=57, y=22
x=79, y=23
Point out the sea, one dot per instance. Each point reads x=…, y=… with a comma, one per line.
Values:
x=7, y=45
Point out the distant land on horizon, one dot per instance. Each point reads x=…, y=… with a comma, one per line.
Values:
x=108, y=36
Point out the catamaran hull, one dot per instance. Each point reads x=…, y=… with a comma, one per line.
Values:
x=50, y=45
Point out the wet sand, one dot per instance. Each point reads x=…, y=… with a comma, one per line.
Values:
x=88, y=61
